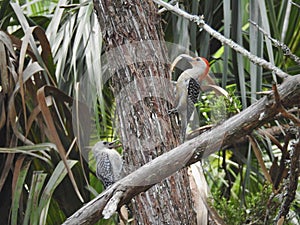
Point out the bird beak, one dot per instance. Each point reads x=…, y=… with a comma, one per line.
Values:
x=188, y=58
x=114, y=145
x=177, y=59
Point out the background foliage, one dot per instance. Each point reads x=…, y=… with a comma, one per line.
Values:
x=51, y=54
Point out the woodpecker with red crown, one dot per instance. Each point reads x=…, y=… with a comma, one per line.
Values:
x=188, y=87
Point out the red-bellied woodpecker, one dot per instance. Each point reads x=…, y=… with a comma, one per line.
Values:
x=109, y=163
x=188, y=88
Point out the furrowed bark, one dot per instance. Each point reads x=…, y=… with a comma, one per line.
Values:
x=139, y=68
x=259, y=113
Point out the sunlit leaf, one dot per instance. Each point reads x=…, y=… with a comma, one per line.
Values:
x=37, y=182
x=57, y=176
x=20, y=174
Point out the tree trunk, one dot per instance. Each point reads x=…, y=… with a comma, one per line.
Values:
x=138, y=64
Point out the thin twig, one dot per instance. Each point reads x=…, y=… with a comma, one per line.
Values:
x=282, y=110
x=172, y=2
x=285, y=49
x=295, y=4
x=201, y=23
x=209, y=142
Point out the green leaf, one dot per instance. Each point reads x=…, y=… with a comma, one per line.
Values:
x=32, y=150
x=56, y=178
x=21, y=175
x=227, y=25
x=37, y=182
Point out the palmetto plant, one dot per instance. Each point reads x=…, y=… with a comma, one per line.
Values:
x=241, y=172
x=50, y=63
x=42, y=170
x=236, y=172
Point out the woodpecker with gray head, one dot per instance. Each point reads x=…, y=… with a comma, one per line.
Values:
x=188, y=87
x=109, y=163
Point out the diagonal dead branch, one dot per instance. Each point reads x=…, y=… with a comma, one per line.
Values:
x=191, y=151
x=201, y=23
x=285, y=49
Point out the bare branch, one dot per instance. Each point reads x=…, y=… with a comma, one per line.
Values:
x=295, y=4
x=191, y=151
x=201, y=23
x=285, y=49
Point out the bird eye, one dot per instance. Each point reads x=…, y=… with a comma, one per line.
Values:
x=198, y=59
x=105, y=142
